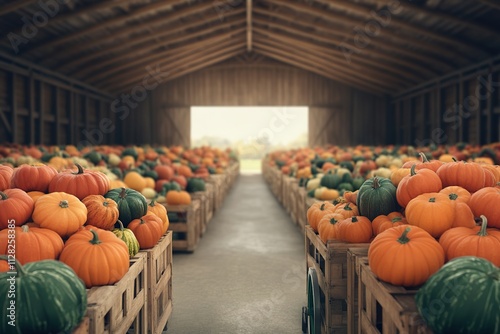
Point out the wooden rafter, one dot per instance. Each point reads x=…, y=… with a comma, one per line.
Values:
x=200, y=61
x=351, y=22
x=249, y=25
x=170, y=62
x=415, y=67
x=179, y=51
x=134, y=49
x=492, y=3
x=127, y=49
x=71, y=37
x=382, y=44
x=12, y=6
x=401, y=24
x=362, y=63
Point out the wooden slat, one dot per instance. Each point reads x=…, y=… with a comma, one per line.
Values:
x=249, y=25
x=71, y=37
x=14, y=5
x=13, y=108
x=132, y=42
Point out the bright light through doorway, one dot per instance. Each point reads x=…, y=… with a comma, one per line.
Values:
x=251, y=131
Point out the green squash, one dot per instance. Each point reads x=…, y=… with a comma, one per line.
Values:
x=130, y=151
x=48, y=298
x=128, y=237
x=377, y=196
x=357, y=182
x=346, y=178
x=94, y=157
x=169, y=186
x=131, y=204
x=151, y=173
x=462, y=297
x=345, y=186
x=195, y=184
x=347, y=164
x=331, y=181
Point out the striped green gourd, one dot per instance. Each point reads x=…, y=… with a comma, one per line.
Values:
x=462, y=297
x=377, y=196
x=49, y=298
x=128, y=237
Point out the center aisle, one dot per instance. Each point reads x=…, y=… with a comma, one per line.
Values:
x=247, y=274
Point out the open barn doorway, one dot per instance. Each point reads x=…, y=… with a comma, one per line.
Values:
x=250, y=131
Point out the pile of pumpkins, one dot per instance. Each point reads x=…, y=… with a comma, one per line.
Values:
x=426, y=214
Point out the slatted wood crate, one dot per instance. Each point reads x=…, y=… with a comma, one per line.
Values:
x=301, y=208
x=330, y=263
x=294, y=193
x=209, y=188
x=83, y=327
x=354, y=255
x=159, y=286
x=185, y=223
x=385, y=308
x=120, y=308
x=202, y=197
x=218, y=184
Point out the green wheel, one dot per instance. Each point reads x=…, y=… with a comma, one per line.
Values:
x=313, y=302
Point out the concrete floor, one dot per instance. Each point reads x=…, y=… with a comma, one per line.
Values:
x=247, y=274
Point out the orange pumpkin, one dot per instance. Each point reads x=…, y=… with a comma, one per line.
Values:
x=5, y=177
x=468, y=175
x=32, y=244
x=405, y=255
x=398, y=174
x=351, y=196
x=328, y=226
x=459, y=197
x=35, y=195
x=347, y=210
x=356, y=229
x=164, y=172
x=479, y=241
x=317, y=211
x=424, y=163
x=184, y=171
x=29, y=178
x=161, y=212
x=80, y=184
x=16, y=207
x=432, y=212
x=60, y=212
x=385, y=222
x=175, y=197
x=97, y=256
x=147, y=229
x=417, y=183
x=4, y=266
x=135, y=181
x=494, y=170
x=485, y=202
x=101, y=212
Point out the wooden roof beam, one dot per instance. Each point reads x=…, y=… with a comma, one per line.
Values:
x=382, y=44
x=249, y=25
x=367, y=52
x=12, y=6
x=73, y=36
x=492, y=3
x=123, y=47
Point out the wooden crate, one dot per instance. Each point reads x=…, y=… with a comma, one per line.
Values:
x=83, y=327
x=353, y=257
x=159, y=273
x=385, y=308
x=330, y=263
x=276, y=184
x=210, y=197
x=294, y=193
x=301, y=208
x=202, y=197
x=217, y=182
x=120, y=308
x=185, y=224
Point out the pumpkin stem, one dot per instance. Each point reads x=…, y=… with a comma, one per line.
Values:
x=19, y=267
x=25, y=228
x=322, y=207
x=80, y=170
x=3, y=196
x=412, y=170
x=64, y=204
x=423, y=157
x=403, y=239
x=354, y=219
x=95, y=238
x=454, y=159
x=484, y=224
x=153, y=203
x=120, y=225
x=122, y=193
x=453, y=196
x=347, y=207
x=396, y=219
x=375, y=183
x=432, y=199
x=333, y=221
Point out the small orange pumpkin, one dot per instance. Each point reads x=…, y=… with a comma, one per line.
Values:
x=176, y=197
x=161, y=212
x=317, y=211
x=355, y=229
x=347, y=210
x=101, y=212
x=485, y=202
x=433, y=212
x=328, y=226
x=385, y=222
x=417, y=183
x=16, y=207
x=463, y=214
x=147, y=229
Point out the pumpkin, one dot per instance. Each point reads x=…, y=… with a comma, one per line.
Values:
x=80, y=184
x=5, y=177
x=459, y=197
x=148, y=230
x=327, y=226
x=50, y=298
x=178, y=198
x=184, y=171
x=433, y=212
x=325, y=194
x=29, y=178
x=97, y=256
x=135, y=181
x=347, y=210
x=31, y=244
x=164, y=172
x=405, y=255
x=60, y=212
x=160, y=211
x=485, y=202
x=424, y=163
x=494, y=170
x=330, y=181
x=356, y=229
x=464, y=174
x=195, y=184
x=131, y=204
x=148, y=193
x=15, y=207
x=351, y=196
x=398, y=174
x=180, y=180
x=4, y=266
x=377, y=196
x=462, y=297
x=417, y=183
x=385, y=222
x=101, y=212
x=117, y=184
x=35, y=195
x=489, y=178
x=317, y=211
x=128, y=237
x=478, y=241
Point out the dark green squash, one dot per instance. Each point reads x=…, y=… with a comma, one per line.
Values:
x=195, y=184
x=377, y=196
x=330, y=180
x=357, y=182
x=462, y=297
x=169, y=186
x=94, y=157
x=131, y=204
x=49, y=298
x=130, y=151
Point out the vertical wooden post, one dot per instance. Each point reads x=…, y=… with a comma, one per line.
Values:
x=41, y=116
x=479, y=116
x=72, y=118
x=489, y=110
x=57, y=120
x=32, y=111
x=13, y=105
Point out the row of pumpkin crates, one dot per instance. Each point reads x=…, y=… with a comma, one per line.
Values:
x=344, y=296
x=141, y=302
